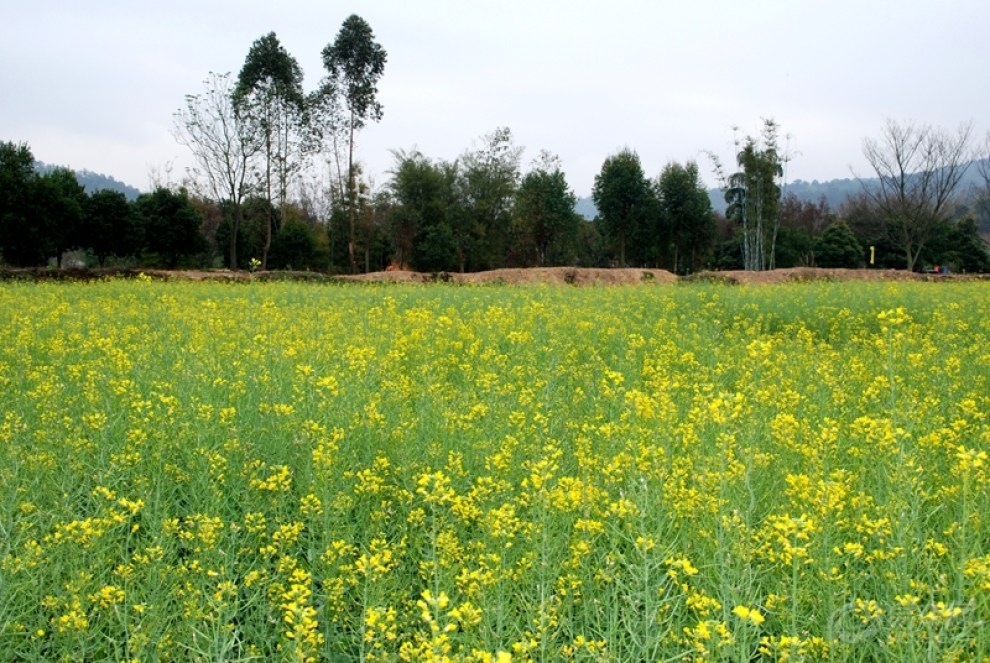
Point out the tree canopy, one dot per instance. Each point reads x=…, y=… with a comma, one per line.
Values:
x=625, y=203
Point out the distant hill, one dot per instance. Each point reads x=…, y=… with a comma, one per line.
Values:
x=835, y=192
x=586, y=208
x=93, y=181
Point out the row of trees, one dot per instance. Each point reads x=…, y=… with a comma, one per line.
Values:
x=257, y=134
x=43, y=216
x=911, y=209
x=475, y=212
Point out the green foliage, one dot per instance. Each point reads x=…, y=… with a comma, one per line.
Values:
x=489, y=178
x=170, y=225
x=837, y=246
x=424, y=212
x=590, y=245
x=271, y=71
x=59, y=201
x=20, y=239
x=269, y=96
x=40, y=215
x=867, y=223
x=795, y=247
x=354, y=63
x=110, y=226
x=957, y=246
x=753, y=197
x=970, y=252
x=545, y=225
x=436, y=250
x=93, y=182
x=256, y=212
x=687, y=223
x=626, y=206
x=296, y=246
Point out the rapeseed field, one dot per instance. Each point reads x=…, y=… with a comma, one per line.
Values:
x=293, y=472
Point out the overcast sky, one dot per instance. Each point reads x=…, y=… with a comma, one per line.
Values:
x=94, y=84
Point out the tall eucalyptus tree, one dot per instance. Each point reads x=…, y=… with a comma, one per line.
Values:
x=354, y=63
x=270, y=97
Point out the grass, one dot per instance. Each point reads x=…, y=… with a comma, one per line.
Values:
x=285, y=471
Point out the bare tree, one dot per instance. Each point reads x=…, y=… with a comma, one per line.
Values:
x=983, y=171
x=221, y=145
x=918, y=170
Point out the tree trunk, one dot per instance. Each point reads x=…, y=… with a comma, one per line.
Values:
x=236, y=228
x=268, y=195
x=350, y=197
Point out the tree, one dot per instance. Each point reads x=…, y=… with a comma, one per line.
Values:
x=544, y=219
x=40, y=216
x=918, y=170
x=295, y=246
x=626, y=204
x=837, y=246
x=422, y=194
x=257, y=213
x=19, y=239
x=170, y=225
x=489, y=177
x=983, y=178
x=354, y=63
x=968, y=252
x=801, y=221
x=58, y=201
x=269, y=96
x=688, y=220
x=753, y=196
x=109, y=226
x=222, y=144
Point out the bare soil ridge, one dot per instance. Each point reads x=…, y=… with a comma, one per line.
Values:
x=580, y=276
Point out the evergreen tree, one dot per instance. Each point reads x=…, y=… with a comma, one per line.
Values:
x=545, y=224
x=626, y=204
x=837, y=246
x=170, y=225
x=109, y=225
x=687, y=229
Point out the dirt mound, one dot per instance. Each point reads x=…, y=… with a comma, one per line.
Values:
x=797, y=274
x=558, y=275
x=552, y=275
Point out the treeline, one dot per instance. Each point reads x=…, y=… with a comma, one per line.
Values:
x=43, y=216
x=477, y=212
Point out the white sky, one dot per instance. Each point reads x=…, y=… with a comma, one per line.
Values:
x=94, y=84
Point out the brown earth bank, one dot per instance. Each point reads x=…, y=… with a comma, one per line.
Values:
x=551, y=275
